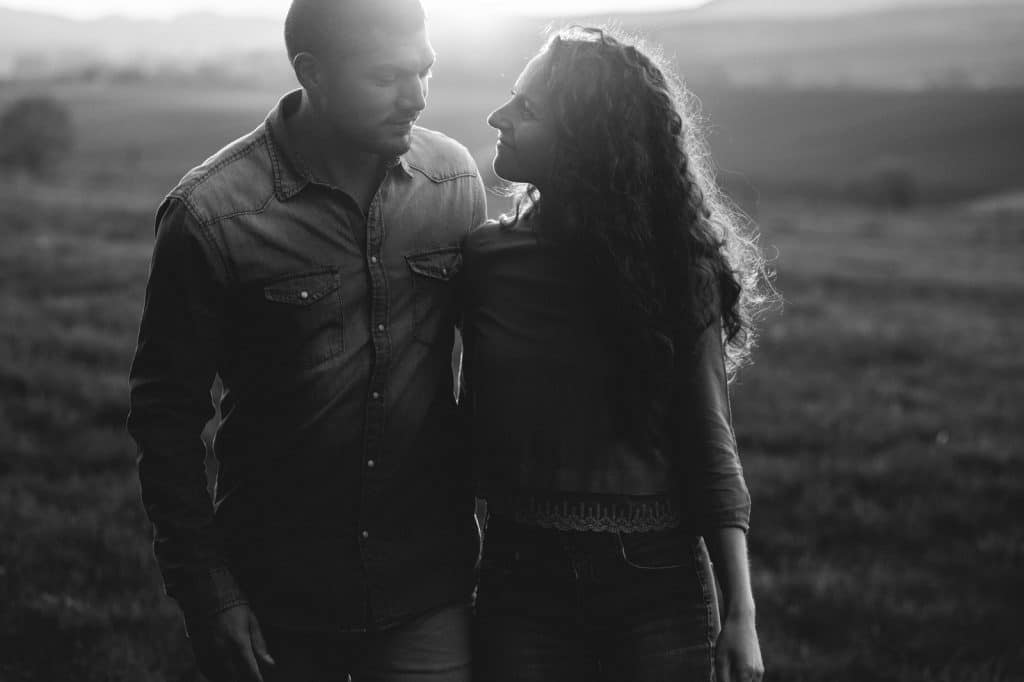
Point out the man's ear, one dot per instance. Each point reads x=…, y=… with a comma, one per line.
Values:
x=308, y=71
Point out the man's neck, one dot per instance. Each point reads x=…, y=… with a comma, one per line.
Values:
x=330, y=160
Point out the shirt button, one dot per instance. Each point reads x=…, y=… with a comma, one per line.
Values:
x=370, y=463
x=376, y=396
x=303, y=295
x=444, y=271
x=373, y=259
x=365, y=534
x=380, y=327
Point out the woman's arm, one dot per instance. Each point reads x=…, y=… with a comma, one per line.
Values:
x=728, y=549
x=722, y=507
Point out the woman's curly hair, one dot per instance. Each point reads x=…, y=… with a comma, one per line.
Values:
x=633, y=190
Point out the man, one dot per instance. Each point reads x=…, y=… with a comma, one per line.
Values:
x=310, y=265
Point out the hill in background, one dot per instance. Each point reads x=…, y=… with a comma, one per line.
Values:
x=891, y=44
x=820, y=99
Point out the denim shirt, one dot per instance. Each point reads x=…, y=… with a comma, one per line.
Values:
x=341, y=501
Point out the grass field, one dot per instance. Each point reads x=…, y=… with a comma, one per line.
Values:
x=880, y=426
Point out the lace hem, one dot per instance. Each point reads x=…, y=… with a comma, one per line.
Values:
x=601, y=513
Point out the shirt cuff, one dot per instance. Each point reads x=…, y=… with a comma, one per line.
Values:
x=205, y=594
x=738, y=517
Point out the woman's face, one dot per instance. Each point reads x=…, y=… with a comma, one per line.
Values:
x=526, y=131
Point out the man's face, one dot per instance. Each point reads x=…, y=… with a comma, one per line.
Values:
x=372, y=97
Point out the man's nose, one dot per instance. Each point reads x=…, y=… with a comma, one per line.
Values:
x=414, y=95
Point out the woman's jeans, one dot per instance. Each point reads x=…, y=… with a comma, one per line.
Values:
x=576, y=605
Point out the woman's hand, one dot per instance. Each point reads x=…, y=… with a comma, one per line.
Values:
x=737, y=652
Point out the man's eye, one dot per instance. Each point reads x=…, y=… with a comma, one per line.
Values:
x=385, y=78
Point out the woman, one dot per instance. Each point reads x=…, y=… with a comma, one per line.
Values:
x=603, y=318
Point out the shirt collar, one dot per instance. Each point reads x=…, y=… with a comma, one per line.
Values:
x=291, y=174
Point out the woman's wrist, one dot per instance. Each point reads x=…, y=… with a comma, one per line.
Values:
x=740, y=610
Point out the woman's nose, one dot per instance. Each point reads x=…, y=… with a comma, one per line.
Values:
x=498, y=119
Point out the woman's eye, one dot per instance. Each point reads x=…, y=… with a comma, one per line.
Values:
x=385, y=78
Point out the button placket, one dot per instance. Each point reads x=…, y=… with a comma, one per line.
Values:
x=374, y=426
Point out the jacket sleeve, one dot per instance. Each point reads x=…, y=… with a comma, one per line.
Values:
x=716, y=488
x=180, y=339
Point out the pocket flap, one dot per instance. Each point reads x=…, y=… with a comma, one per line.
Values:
x=442, y=264
x=302, y=289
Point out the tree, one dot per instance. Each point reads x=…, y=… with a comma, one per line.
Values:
x=36, y=134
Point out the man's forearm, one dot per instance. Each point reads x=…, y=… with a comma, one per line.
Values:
x=188, y=549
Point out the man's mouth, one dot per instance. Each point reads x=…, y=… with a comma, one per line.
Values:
x=403, y=121
x=502, y=142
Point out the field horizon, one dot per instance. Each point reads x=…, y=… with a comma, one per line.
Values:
x=948, y=144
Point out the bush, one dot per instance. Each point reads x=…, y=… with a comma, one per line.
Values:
x=887, y=185
x=36, y=134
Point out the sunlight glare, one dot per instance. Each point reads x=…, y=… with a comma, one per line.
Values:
x=467, y=13
x=463, y=15
x=484, y=8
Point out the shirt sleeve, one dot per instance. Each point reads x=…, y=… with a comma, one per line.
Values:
x=479, y=203
x=478, y=218
x=716, y=487
x=180, y=339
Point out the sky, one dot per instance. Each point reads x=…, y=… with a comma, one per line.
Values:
x=85, y=9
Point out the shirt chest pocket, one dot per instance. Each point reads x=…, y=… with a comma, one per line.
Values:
x=301, y=324
x=433, y=289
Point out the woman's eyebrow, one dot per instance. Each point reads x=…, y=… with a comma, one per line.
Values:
x=518, y=94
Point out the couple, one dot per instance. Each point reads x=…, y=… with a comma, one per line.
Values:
x=320, y=265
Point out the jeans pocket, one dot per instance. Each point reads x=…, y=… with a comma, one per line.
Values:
x=433, y=283
x=709, y=592
x=654, y=551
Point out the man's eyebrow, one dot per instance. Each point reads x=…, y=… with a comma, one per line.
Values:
x=404, y=67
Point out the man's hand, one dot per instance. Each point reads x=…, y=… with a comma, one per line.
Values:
x=229, y=646
x=737, y=653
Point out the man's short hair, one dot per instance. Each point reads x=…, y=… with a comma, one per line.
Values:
x=322, y=26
